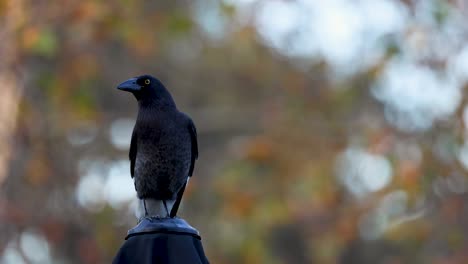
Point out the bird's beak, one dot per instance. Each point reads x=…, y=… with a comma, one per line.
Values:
x=129, y=85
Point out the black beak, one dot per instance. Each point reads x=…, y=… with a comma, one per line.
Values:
x=129, y=85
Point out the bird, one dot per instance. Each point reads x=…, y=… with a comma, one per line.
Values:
x=163, y=148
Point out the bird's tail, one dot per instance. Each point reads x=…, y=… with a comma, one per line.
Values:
x=178, y=200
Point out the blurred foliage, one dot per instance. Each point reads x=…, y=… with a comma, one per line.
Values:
x=271, y=131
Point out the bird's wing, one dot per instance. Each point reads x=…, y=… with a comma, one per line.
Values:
x=194, y=156
x=133, y=152
x=193, y=139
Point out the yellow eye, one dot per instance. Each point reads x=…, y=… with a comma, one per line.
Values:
x=147, y=81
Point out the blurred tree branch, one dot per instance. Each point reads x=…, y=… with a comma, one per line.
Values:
x=10, y=80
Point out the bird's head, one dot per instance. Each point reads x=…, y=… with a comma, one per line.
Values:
x=147, y=89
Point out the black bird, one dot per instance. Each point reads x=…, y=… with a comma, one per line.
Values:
x=163, y=147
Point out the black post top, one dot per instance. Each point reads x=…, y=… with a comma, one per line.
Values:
x=162, y=240
x=150, y=225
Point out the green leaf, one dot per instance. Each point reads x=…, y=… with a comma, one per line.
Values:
x=47, y=43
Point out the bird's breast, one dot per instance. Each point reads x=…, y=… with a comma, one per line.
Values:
x=163, y=153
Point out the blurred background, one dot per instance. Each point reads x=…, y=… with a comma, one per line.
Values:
x=330, y=131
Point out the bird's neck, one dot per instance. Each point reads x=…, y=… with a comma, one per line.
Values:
x=148, y=114
x=155, y=105
x=160, y=99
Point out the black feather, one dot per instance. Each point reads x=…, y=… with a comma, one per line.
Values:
x=132, y=153
x=194, y=156
x=194, y=144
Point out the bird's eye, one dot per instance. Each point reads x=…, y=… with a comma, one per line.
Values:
x=147, y=81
